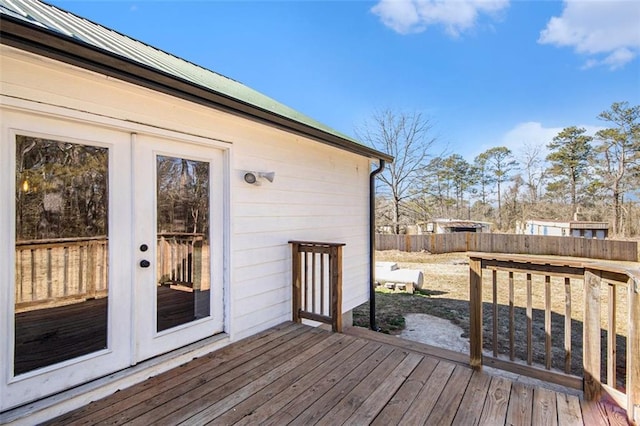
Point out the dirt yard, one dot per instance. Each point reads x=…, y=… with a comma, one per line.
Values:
x=446, y=295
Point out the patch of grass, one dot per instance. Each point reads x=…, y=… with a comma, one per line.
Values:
x=391, y=307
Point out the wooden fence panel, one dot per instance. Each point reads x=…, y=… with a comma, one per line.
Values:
x=511, y=243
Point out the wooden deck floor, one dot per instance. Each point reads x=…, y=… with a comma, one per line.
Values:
x=294, y=374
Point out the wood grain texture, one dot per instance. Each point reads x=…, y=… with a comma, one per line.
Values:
x=295, y=374
x=544, y=407
x=520, y=405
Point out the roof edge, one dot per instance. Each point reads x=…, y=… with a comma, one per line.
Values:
x=26, y=36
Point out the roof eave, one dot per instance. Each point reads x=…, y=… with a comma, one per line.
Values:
x=25, y=36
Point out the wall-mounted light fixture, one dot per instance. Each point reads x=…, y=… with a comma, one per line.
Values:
x=253, y=178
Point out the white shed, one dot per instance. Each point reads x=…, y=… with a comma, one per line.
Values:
x=573, y=228
x=130, y=177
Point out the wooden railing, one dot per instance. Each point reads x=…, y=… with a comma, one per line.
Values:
x=60, y=271
x=183, y=260
x=317, y=282
x=602, y=299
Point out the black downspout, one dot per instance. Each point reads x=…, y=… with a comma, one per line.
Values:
x=372, y=246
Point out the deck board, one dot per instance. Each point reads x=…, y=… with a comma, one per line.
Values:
x=187, y=398
x=544, y=407
x=446, y=408
x=295, y=374
x=127, y=398
x=520, y=404
x=426, y=399
x=351, y=401
x=376, y=401
x=335, y=394
x=470, y=408
x=569, y=413
x=406, y=395
x=495, y=405
x=298, y=404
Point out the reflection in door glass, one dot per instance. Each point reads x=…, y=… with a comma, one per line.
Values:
x=183, y=287
x=61, y=281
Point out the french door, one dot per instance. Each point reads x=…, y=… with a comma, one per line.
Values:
x=63, y=258
x=178, y=244
x=112, y=251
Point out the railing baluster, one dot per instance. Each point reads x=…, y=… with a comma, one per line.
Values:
x=322, y=284
x=314, y=256
x=49, y=275
x=511, y=318
x=633, y=348
x=494, y=285
x=529, y=321
x=567, y=325
x=591, y=335
x=81, y=285
x=20, y=277
x=611, y=336
x=306, y=282
x=65, y=273
x=91, y=269
x=547, y=321
x=34, y=283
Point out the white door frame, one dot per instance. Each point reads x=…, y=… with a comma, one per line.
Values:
x=18, y=389
x=149, y=342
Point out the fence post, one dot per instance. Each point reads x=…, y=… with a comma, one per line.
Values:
x=296, y=282
x=633, y=350
x=475, y=312
x=591, y=357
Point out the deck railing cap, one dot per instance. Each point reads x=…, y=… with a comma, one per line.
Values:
x=317, y=243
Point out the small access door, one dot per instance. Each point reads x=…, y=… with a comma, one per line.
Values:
x=178, y=218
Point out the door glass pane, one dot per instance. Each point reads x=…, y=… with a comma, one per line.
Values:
x=183, y=287
x=61, y=281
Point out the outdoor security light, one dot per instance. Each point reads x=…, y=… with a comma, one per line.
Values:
x=252, y=177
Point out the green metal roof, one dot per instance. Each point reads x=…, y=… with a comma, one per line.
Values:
x=59, y=24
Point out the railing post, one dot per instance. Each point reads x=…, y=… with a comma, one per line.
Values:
x=336, y=288
x=591, y=357
x=475, y=312
x=633, y=350
x=296, y=281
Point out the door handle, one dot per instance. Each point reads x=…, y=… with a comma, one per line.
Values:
x=145, y=263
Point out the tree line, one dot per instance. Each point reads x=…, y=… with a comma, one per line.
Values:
x=575, y=176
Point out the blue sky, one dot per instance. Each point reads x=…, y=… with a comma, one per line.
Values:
x=485, y=72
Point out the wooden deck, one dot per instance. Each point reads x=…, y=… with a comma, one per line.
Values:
x=294, y=374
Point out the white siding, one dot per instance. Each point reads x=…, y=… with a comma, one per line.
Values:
x=319, y=193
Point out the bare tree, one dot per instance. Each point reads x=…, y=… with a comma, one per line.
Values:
x=534, y=174
x=499, y=162
x=407, y=137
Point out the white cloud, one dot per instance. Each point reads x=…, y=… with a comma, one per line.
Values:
x=532, y=133
x=606, y=31
x=456, y=16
